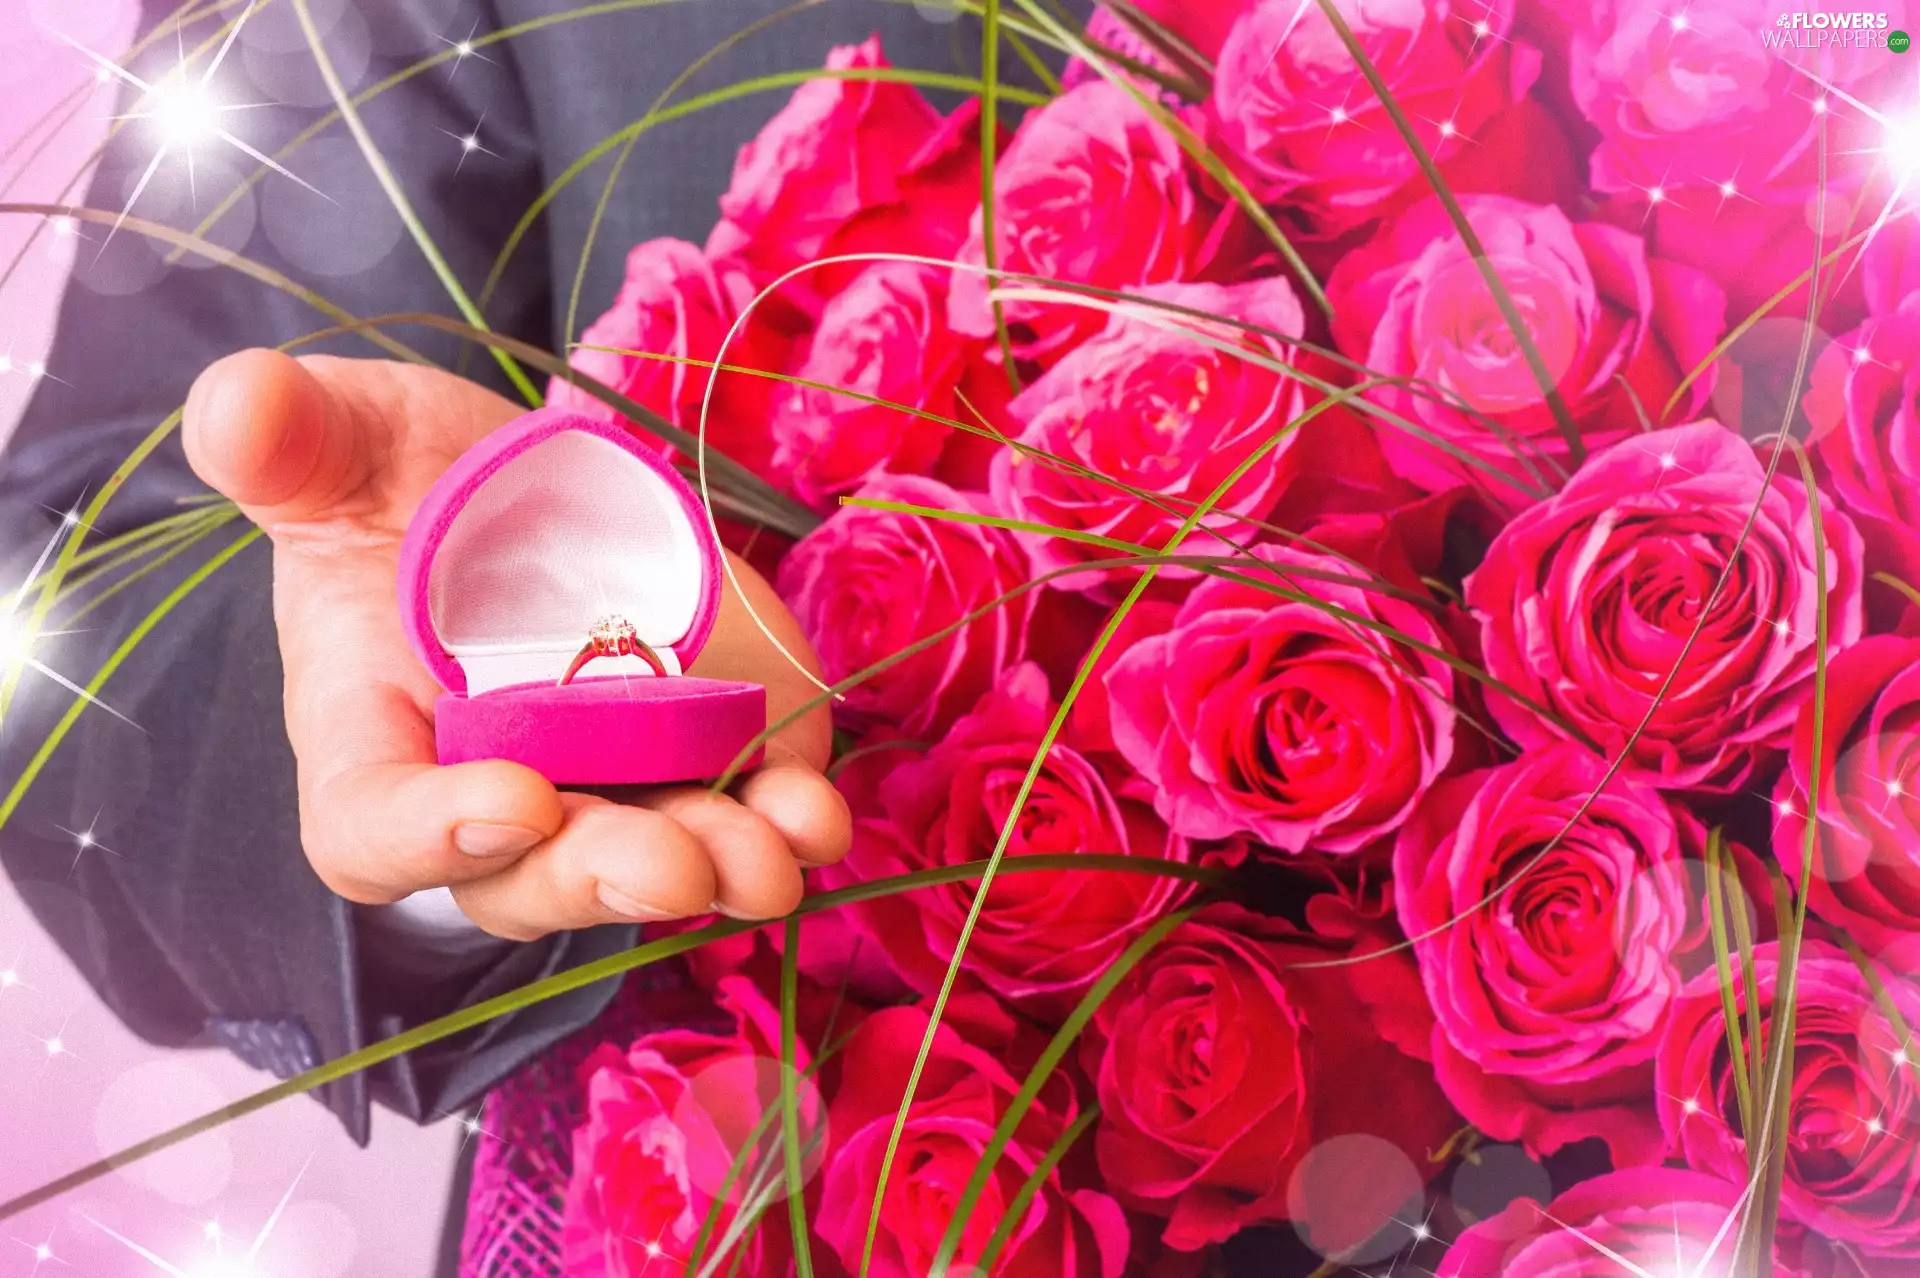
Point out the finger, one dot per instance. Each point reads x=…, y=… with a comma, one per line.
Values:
x=608, y=864
x=755, y=874
x=810, y=814
x=379, y=832
x=261, y=429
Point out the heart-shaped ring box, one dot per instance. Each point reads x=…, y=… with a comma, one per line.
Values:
x=550, y=523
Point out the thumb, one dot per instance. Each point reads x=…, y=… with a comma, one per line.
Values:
x=264, y=431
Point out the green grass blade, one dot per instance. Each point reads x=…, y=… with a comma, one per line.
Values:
x=1067, y=702
x=113, y=663
x=626, y=151
x=480, y=41
x=579, y=978
x=1870, y=973
x=1167, y=42
x=704, y=1239
x=397, y=196
x=1759, y=313
x=1193, y=145
x=1018, y=27
x=1724, y=972
x=989, y=157
x=1771, y=1150
x=1041, y=72
x=1346, y=616
x=222, y=257
x=1549, y=385
x=790, y=1100
x=180, y=546
x=1030, y=1189
x=779, y=511
x=692, y=106
x=1042, y=1070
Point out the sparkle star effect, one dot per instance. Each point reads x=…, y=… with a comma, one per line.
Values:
x=469, y=143
x=56, y=1046
x=463, y=49
x=83, y=843
x=1899, y=150
x=17, y=637
x=43, y=1253
x=219, y=1265
x=185, y=113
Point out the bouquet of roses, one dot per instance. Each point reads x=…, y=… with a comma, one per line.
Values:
x=1359, y=517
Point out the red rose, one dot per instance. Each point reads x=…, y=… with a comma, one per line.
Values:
x=1660, y=1220
x=1203, y=27
x=837, y=148
x=1587, y=600
x=868, y=584
x=939, y=189
x=1107, y=30
x=1307, y=130
x=1154, y=404
x=675, y=302
x=665, y=1119
x=1853, y=1111
x=1042, y=938
x=1226, y=1057
x=1866, y=865
x=1256, y=714
x=1091, y=191
x=963, y=1092
x=1550, y=978
x=1613, y=326
x=885, y=337
x=1866, y=431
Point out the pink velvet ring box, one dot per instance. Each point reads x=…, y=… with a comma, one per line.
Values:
x=545, y=526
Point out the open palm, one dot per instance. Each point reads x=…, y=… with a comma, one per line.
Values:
x=331, y=457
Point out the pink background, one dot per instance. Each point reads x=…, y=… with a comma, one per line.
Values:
x=370, y=1213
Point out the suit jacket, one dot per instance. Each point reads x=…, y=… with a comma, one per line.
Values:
x=205, y=924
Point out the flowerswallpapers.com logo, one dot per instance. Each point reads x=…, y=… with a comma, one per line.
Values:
x=1824, y=30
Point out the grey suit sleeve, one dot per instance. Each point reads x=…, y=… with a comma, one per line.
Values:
x=197, y=918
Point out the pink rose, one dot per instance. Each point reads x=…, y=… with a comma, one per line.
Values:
x=1160, y=410
x=1550, y=978
x=868, y=584
x=964, y=1091
x=1308, y=131
x=1042, y=938
x=1203, y=27
x=1852, y=1175
x=1612, y=325
x=1866, y=866
x=1091, y=191
x=1866, y=431
x=837, y=148
x=1587, y=600
x=1228, y=1055
x=1688, y=105
x=1713, y=133
x=885, y=337
x=675, y=302
x=938, y=191
x=1107, y=30
x=1260, y=715
x=665, y=1119
x=1652, y=1219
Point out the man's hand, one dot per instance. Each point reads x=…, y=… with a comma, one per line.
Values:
x=331, y=457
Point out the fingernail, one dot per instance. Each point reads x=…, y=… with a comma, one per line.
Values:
x=722, y=910
x=486, y=839
x=628, y=908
